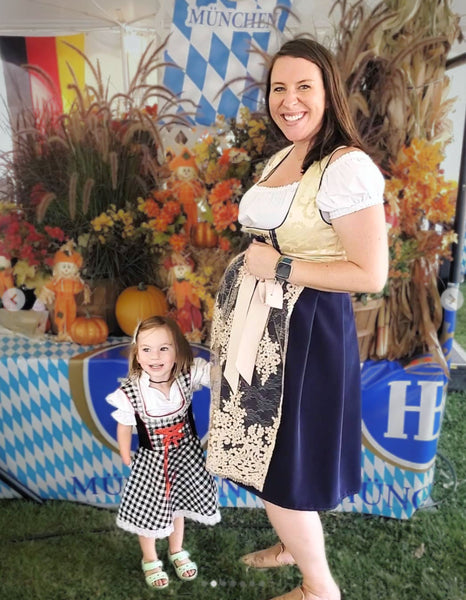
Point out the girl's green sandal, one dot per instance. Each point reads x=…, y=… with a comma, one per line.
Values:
x=152, y=578
x=181, y=570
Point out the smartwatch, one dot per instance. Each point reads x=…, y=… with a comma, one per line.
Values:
x=283, y=268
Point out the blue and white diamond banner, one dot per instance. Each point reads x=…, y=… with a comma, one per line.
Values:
x=211, y=42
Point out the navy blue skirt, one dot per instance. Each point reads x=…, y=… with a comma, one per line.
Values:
x=316, y=461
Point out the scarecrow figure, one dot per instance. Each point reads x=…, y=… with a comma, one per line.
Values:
x=182, y=293
x=60, y=291
x=187, y=186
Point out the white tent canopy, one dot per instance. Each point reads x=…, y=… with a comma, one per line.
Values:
x=65, y=17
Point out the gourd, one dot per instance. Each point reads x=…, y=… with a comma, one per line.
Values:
x=89, y=330
x=203, y=235
x=139, y=302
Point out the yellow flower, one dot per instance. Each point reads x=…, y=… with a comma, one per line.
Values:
x=102, y=223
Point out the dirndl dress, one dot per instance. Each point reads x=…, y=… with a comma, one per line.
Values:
x=289, y=430
x=168, y=477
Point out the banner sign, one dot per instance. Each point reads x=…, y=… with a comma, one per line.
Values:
x=210, y=42
x=402, y=410
x=58, y=438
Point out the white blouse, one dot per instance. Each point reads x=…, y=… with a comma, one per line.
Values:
x=155, y=402
x=350, y=183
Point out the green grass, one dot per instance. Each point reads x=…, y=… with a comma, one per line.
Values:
x=67, y=551
x=460, y=329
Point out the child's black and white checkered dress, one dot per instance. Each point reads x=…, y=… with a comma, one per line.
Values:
x=168, y=477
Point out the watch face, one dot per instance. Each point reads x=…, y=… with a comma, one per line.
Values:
x=283, y=269
x=13, y=299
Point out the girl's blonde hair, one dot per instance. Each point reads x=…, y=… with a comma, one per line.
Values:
x=184, y=354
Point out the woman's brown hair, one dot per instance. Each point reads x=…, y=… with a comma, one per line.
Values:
x=184, y=354
x=338, y=128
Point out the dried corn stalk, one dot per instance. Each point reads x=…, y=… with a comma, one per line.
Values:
x=392, y=58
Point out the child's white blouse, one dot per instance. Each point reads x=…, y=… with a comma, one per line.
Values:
x=155, y=401
x=350, y=183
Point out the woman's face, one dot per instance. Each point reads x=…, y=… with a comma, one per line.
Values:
x=156, y=353
x=297, y=98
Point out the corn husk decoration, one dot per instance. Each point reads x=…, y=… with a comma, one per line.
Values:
x=392, y=57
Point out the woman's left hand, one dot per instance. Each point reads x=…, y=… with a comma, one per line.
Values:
x=260, y=260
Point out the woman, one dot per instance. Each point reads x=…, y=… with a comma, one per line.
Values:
x=285, y=413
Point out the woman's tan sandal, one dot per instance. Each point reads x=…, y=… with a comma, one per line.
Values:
x=269, y=558
x=296, y=594
x=182, y=569
x=299, y=593
x=152, y=578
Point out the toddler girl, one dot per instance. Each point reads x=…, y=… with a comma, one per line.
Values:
x=168, y=479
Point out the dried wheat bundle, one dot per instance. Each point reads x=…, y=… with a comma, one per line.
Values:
x=393, y=58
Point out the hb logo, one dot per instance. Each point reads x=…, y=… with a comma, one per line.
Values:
x=402, y=414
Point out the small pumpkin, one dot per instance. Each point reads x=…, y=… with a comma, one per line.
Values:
x=89, y=330
x=203, y=235
x=139, y=302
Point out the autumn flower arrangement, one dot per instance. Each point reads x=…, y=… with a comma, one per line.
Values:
x=85, y=172
x=227, y=159
x=420, y=209
x=29, y=250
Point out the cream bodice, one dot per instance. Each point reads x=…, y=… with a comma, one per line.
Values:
x=294, y=221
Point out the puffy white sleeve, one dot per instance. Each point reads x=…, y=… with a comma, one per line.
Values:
x=350, y=183
x=124, y=412
x=200, y=374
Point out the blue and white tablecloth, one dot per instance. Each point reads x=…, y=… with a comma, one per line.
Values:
x=58, y=440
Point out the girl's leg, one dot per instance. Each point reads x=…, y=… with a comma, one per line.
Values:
x=175, y=543
x=149, y=554
x=301, y=533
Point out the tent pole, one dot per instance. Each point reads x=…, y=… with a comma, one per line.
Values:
x=460, y=216
x=452, y=298
x=124, y=58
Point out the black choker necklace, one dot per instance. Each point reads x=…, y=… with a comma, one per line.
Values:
x=152, y=381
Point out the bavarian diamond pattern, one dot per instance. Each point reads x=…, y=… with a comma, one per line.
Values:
x=210, y=55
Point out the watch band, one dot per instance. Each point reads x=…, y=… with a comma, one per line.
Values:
x=283, y=268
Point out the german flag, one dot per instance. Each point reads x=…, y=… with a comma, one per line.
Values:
x=27, y=89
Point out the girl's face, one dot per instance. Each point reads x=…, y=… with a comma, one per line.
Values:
x=156, y=353
x=297, y=98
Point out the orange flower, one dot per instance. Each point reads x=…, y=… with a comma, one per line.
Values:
x=172, y=208
x=161, y=222
x=178, y=242
x=224, y=243
x=150, y=208
x=225, y=215
x=224, y=190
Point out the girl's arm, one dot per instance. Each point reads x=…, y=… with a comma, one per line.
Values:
x=124, y=434
x=200, y=373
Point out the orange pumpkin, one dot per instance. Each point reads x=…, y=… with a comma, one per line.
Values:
x=89, y=330
x=204, y=235
x=137, y=303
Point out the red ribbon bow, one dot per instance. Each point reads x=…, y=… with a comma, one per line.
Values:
x=171, y=435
